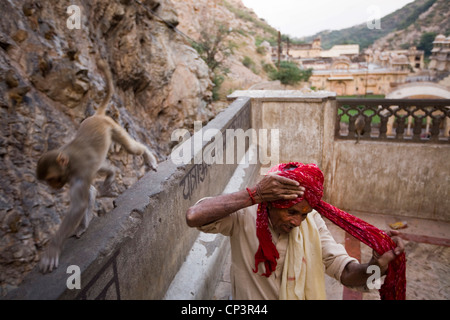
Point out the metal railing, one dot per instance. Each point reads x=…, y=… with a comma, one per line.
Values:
x=406, y=120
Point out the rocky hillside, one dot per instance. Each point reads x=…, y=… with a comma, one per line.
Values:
x=50, y=82
x=243, y=66
x=402, y=27
x=434, y=18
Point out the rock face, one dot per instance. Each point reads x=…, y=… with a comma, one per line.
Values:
x=196, y=16
x=436, y=18
x=49, y=82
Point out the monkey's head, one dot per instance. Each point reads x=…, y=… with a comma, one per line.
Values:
x=52, y=168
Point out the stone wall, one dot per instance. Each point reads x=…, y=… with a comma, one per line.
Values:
x=405, y=179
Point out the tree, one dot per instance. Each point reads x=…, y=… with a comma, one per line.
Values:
x=426, y=42
x=214, y=48
x=290, y=74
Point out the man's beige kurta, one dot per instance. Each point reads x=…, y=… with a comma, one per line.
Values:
x=240, y=226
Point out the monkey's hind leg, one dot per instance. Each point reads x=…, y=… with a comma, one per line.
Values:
x=105, y=188
x=88, y=214
x=120, y=136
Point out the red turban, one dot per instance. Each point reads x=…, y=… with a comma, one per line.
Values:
x=311, y=178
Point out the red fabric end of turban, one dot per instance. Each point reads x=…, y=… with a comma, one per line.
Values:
x=310, y=177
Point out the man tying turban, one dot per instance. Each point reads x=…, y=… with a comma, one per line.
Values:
x=280, y=245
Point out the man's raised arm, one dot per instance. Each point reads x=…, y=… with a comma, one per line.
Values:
x=271, y=188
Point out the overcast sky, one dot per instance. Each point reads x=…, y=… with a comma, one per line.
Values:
x=299, y=18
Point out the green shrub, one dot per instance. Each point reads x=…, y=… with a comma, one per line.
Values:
x=248, y=62
x=268, y=67
x=290, y=74
x=218, y=79
x=261, y=50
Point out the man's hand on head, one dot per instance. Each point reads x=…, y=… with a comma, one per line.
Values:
x=274, y=187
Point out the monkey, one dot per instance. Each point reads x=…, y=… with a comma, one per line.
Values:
x=359, y=127
x=77, y=164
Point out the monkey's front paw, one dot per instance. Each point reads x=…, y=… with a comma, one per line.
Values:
x=50, y=259
x=150, y=161
x=154, y=166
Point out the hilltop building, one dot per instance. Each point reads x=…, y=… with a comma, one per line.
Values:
x=305, y=50
x=411, y=59
x=347, y=78
x=346, y=71
x=346, y=50
x=299, y=52
x=440, y=55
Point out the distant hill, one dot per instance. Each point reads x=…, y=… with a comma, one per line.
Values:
x=403, y=27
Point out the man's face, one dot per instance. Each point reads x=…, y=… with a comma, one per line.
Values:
x=284, y=220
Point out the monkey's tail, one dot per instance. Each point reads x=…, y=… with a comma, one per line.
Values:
x=101, y=111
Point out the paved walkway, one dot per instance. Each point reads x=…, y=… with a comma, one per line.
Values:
x=427, y=245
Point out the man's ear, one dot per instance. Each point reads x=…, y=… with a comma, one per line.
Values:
x=62, y=159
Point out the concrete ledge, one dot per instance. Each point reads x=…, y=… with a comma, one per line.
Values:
x=283, y=95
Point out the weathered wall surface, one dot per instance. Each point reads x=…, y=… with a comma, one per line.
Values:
x=302, y=120
x=406, y=179
x=392, y=178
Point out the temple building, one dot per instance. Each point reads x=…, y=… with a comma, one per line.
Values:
x=440, y=55
x=347, y=78
x=346, y=71
x=306, y=51
x=410, y=59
